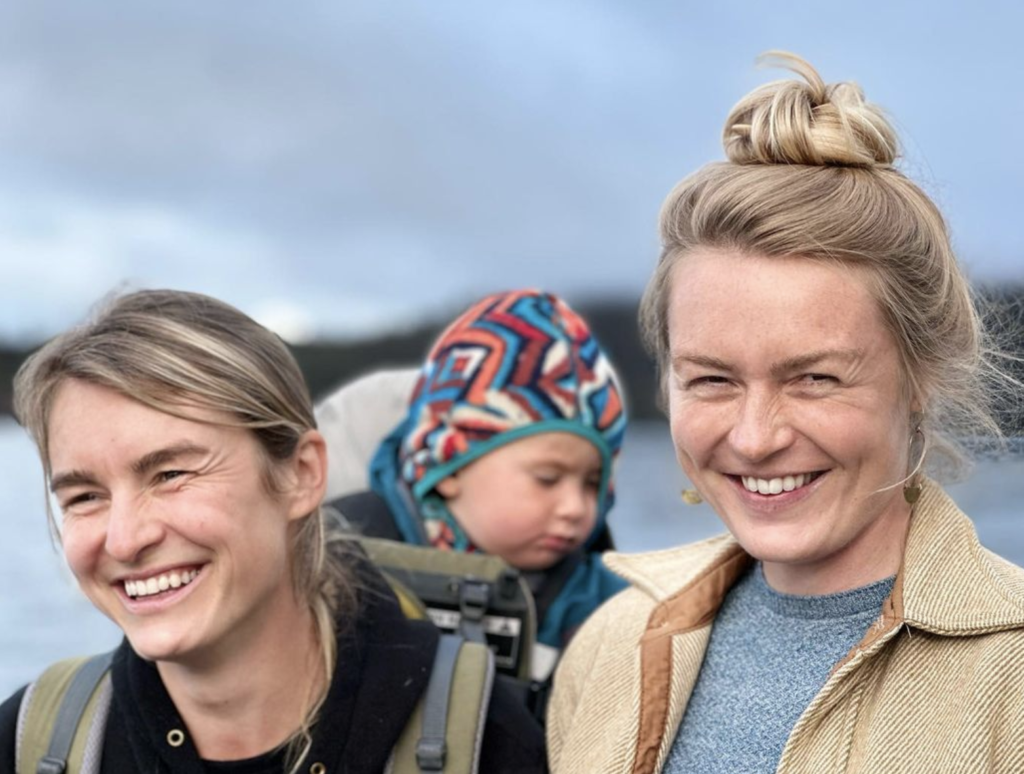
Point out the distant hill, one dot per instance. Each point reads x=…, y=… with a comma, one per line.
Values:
x=329, y=364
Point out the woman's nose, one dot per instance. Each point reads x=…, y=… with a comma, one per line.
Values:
x=760, y=427
x=131, y=529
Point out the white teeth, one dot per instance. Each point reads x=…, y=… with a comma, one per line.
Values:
x=774, y=486
x=158, y=583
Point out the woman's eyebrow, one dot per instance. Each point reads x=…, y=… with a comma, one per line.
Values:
x=72, y=478
x=142, y=465
x=155, y=459
x=812, y=359
x=700, y=360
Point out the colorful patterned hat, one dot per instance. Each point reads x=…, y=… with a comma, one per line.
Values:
x=514, y=364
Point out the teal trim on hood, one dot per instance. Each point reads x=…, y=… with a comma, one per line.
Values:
x=478, y=450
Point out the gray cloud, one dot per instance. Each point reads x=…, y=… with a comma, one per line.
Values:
x=409, y=155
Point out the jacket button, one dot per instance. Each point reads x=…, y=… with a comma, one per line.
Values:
x=317, y=768
x=175, y=737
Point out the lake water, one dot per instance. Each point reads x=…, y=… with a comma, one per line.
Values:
x=43, y=617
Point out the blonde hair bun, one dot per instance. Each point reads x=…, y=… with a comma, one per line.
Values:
x=808, y=122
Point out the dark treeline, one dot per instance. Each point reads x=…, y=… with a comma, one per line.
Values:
x=329, y=364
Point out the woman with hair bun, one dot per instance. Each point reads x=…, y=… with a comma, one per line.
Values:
x=820, y=355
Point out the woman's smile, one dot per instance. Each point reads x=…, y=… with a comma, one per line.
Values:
x=159, y=583
x=776, y=485
x=169, y=525
x=788, y=412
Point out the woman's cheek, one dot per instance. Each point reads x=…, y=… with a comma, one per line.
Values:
x=82, y=540
x=688, y=427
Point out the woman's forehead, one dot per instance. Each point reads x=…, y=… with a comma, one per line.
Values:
x=773, y=315
x=736, y=296
x=87, y=418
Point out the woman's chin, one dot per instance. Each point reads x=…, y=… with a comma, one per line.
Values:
x=158, y=646
x=780, y=545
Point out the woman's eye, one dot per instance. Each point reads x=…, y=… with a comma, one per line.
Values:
x=78, y=500
x=707, y=381
x=169, y=475
x=818, y=378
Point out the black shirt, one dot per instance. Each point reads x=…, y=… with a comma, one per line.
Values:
x=383, y=665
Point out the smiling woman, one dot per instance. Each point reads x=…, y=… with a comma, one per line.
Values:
x=177, y=436
x=797, y=384
x=819, y=351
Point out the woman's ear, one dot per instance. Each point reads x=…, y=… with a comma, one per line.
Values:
x=448, y=488
x=309, y=474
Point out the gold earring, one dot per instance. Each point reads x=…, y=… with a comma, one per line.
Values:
x=912, y=488
x=912, y=491
x=691, y=497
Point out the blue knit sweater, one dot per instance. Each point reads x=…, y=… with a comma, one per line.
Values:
x=768, y=656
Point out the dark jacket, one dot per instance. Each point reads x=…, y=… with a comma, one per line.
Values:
x=384, y=662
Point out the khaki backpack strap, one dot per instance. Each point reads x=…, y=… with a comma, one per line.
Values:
x=445, y=731
x=62, y=716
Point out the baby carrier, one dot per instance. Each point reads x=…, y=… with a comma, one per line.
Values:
x=63, y=715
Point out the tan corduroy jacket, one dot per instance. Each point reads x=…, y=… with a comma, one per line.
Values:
x=936, y=685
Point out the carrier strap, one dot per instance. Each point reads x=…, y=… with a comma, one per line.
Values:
x=71, y=710
x=57, y=721
x=431, y=749
x=446, y=729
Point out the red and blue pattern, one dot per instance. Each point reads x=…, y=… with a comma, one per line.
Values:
x=513, y=364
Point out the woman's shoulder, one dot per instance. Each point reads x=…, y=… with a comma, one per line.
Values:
x=8, y=729
x=953, y=583
x=660, y=574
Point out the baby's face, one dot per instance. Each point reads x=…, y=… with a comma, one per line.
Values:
x=531, y=501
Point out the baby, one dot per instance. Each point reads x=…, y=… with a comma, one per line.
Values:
x=508, y=448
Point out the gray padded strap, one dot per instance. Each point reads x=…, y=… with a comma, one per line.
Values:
x=71, y=708
x=430, y=749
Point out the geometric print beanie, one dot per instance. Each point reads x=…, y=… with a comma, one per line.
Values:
x=514, y=364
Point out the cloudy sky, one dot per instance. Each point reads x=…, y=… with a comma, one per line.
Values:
x=336, y=167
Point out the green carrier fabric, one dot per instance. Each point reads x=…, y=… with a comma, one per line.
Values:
x=63, y=715
x=475, y=595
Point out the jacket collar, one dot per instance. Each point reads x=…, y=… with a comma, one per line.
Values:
x=951, y=584
x=948, y=583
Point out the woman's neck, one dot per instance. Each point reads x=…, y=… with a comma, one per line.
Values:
x=254, y=696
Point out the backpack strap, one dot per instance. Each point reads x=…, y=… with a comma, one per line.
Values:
x=445, y=732
x=62, y=717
